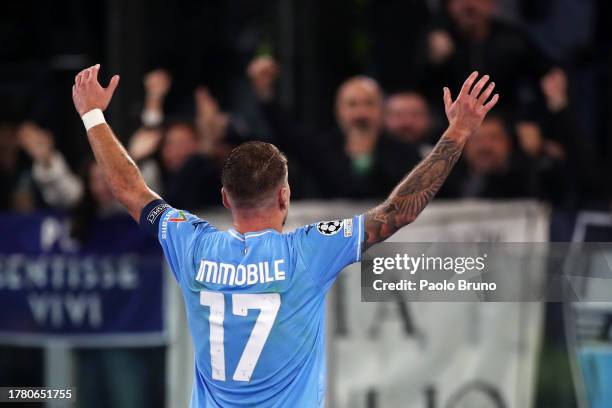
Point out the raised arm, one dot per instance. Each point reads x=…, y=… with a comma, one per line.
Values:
x=418, y=188
x=120, y=171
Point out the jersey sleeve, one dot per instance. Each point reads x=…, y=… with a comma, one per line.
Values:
x=328, y=247
x=177, y=232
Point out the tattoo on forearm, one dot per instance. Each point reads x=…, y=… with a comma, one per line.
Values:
x=413, y=193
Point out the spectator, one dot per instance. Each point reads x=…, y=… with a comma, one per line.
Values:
x=469, y=38
x=172, y=160
x=566, y=161
x=263, y=72
x=367, y=161
x=47, y=182
x=112, y=366
x=359, y=114
x=97, y=201
x=356, y=159
x=143, y=146
x=408, y=119
x=218, y=132
x=395, y=26
x=59, y=187
x=179, y=144
x=491, y=168
x=181, y=158
x=157, y=84
x=16, y=193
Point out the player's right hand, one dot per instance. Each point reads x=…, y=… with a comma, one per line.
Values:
x=467, y=112
x=88, y=94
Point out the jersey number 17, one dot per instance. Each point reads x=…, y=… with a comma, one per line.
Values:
x=267, y=303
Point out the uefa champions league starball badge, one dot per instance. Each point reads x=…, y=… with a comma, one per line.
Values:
x=329, y=227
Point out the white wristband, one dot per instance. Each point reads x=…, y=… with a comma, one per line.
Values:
x=93, y=118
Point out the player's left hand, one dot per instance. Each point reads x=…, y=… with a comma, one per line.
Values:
x=88, y=94
x=466, y=113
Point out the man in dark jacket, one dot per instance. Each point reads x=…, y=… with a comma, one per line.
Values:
x=355, y=159
x=491, y=167
x=469, y=37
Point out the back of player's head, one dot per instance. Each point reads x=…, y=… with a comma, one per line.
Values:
x=252, y=172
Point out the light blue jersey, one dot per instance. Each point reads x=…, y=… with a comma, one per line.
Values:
x=256, y=305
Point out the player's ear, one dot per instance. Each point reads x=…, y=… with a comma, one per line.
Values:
x=225, y=199
x=284, y=194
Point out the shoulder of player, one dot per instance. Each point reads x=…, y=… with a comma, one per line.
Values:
x=330, y=229
x=176, y=218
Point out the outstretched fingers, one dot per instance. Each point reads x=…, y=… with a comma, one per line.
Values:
x=484, y=97
x=479, y=86
x=467, y=85
x=448, y=99
x=112, y=84
x=491, y=103
x=85, y=75
x=94, y=72
x=79, y=78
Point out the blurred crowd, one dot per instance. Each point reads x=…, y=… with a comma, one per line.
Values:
x=534, y=145
x=376, y=67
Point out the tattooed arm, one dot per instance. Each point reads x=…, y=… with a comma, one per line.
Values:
x=417, y=189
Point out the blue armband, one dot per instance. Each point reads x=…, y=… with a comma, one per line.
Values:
x=151, y=215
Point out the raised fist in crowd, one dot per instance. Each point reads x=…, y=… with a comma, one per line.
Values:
x=36, y=142
x=441, y=46
x=554, y=87
x=157, y=84
x=144, y=143
x=211, y=122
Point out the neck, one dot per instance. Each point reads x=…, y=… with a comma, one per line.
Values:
x=256, y=220
x=358, y=143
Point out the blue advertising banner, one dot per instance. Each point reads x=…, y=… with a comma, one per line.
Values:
x=105, y=291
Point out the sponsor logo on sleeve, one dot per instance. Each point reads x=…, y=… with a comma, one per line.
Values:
x=179, y=218
x=156, y=212
x=329, y=227
x=164, y=224
x=348, y=227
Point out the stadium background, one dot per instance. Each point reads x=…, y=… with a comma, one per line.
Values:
x=198, y=77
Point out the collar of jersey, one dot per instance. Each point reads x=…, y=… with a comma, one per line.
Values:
x=252, y=234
